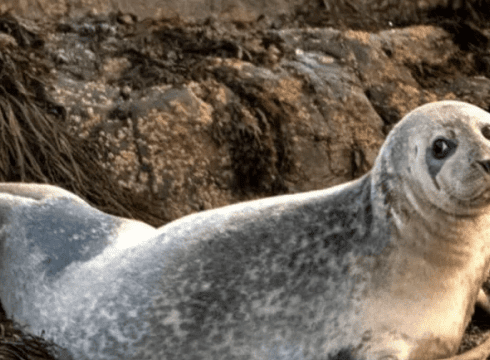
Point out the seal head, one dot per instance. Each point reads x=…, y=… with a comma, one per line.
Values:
x=439, y=152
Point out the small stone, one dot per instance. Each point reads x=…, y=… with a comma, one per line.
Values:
x=126, y=92
x=126, y=19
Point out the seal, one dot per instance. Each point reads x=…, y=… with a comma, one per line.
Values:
x=388, y=266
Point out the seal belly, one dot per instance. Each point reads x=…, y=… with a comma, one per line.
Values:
x=272, y=281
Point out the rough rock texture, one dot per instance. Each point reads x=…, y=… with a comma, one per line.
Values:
x=202, y=113
x=249, y=127
x=208, y=114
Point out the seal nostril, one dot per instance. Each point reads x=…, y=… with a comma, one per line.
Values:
x=485, y=165
x=486, y=131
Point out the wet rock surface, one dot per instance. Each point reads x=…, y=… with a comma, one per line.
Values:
x=188, y=115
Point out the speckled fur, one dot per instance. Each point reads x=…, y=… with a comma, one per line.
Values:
x=387, y=266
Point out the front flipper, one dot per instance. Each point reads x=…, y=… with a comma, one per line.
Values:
x=481, y=352
x=482, y=301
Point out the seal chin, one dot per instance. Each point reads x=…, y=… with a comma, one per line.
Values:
x=482, y=200
x=467, y=189
x=472, y=203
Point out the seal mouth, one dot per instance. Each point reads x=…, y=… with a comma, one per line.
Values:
x=480, y=196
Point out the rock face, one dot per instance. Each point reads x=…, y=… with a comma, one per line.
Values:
x=260, y=123
x=204, y=114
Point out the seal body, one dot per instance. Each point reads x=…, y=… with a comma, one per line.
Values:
x=385, y=267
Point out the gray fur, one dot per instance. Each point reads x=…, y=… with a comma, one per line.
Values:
x=66, y=235
x=355, y=271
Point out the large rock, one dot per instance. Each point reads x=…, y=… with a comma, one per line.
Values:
x=208, y=115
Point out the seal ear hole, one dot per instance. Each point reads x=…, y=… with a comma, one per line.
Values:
x=486, y=132
x=442, y=147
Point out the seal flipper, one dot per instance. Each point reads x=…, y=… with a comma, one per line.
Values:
x=481, y=352
x=482, y=302
x=37, y=191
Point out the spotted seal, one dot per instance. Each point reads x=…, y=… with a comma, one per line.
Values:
x=388, y=266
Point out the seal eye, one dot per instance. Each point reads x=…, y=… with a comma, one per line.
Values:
x=440, y=148
x=486, y=132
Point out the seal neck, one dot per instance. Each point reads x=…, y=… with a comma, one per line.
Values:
x=438, y=237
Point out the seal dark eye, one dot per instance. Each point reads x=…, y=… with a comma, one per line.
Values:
x=437, y=154
x=441, y=148
x=486, y=131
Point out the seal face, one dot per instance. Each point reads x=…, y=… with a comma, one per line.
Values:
x=385, y=267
